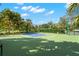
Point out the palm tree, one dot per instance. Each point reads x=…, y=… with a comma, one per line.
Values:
x=76, y=21
x=73, y=11
x=73, y=8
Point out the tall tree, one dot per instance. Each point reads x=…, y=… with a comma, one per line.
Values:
x=29, y=25
x=7, y=19
x=76, y=22
x=73, y=10
x=74, y=7
x=16, y=19
x=11, y=17
x=62, y=23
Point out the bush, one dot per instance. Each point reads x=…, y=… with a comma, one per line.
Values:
x=52, y=30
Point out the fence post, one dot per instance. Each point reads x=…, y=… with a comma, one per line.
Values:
x=67, y=26
x=1, y=46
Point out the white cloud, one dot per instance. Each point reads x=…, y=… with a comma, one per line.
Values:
x=50, y=12
x=16, y=7
x=34, y=8
x=25, y=14
x=26, y=7
x=37, y=9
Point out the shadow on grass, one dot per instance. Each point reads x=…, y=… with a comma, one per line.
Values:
x=38, y=47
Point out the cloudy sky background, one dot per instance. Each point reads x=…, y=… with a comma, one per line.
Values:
x=38, y=12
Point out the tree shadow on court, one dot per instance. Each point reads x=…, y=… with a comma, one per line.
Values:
x=38, y=47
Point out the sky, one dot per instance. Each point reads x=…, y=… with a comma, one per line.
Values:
x=39, y=13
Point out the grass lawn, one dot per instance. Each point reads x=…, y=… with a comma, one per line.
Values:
x=49, y=45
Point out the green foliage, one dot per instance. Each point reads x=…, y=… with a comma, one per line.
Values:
x=76, y=22
x=11, y=21
x=52, y=30
x=62, y=23
x=73, y=10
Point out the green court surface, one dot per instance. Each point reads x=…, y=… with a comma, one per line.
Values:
x=49, y=45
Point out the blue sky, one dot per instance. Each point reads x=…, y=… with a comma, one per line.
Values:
x=38, y=12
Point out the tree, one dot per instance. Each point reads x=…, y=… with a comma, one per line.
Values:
x=16, y=19
x=29, y=25
x=23, y=26
x=73, y=10
x=76, y=22
x=6, y=24
x=62, y=23
x=61, y=26
x=74, y=7
x=13, y=19
x=5, y=18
